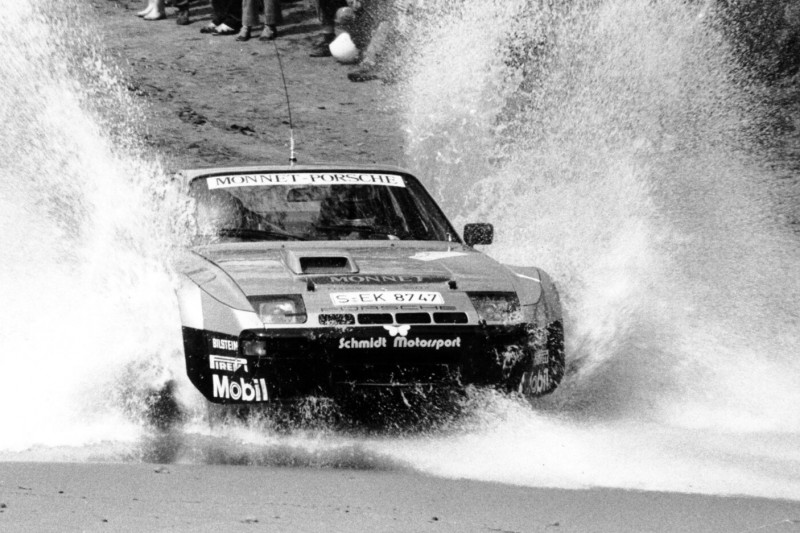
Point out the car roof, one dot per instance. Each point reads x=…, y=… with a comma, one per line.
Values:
x=188, y=175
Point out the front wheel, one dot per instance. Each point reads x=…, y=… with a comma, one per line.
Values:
x=541, y=369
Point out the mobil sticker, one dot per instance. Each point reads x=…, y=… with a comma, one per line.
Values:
x=245, y=390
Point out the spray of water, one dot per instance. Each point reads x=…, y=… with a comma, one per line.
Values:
x=609, y=142
x=612, y=144
x=86, y=293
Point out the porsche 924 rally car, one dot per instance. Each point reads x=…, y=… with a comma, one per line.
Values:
x=315, y=280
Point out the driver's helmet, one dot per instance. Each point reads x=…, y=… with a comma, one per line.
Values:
x=218, y=210
x=349, y=205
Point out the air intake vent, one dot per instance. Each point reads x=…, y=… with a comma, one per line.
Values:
x=450, y=318
x=344, y=319
x=324, y=265
x=375, y=318
x=413, y=318
x=319, y=262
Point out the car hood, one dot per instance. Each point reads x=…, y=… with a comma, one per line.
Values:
x=259, y=268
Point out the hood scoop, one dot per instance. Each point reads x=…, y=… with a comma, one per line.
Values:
x=333, y=262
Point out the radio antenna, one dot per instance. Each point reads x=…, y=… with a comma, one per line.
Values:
x=292, y=158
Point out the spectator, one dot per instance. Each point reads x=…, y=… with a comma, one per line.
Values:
x=381, y=26
x=183, y=12
x=272, y=17
x=155, y=10
x=227, y=19
x=326, y=10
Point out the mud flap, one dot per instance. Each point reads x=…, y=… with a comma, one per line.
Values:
x=540, y=370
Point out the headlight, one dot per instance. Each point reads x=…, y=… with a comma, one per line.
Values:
x=496, y=306
x=280, y=309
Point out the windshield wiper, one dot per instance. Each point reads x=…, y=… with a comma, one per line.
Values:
x=257, y=234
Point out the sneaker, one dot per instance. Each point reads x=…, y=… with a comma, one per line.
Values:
x=322, y=47
x=269, y=33
x=223, y=29
x=244, y=34
x=182, y=18
x=366, y=72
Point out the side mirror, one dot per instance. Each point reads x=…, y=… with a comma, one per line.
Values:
x=478, y=234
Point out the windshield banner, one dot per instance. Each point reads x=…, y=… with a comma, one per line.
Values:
x=252, y=180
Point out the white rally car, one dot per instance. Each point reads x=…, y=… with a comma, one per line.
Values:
x=318, y=280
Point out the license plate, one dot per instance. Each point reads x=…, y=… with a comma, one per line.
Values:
x=387, y=298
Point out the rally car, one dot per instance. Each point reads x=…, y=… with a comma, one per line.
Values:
x=317, y=280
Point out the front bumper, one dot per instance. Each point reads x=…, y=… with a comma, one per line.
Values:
x=330, y=361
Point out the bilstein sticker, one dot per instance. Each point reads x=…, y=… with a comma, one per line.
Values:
x=386, y=298
x=224, y=344
x=227, y=363
x=254, y=180
x=246, y=390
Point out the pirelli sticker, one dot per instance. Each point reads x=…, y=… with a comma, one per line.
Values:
x=304, y=178
x=227, y=364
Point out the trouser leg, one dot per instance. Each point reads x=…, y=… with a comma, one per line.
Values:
x=233, y=14
x=220, y=8
x=250, y=13
x=272, y=12
x=326, y=10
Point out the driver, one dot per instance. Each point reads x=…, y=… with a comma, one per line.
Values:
x=222, y=211
x=346, y=209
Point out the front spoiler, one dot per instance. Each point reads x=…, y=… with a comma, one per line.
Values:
x=331, y=361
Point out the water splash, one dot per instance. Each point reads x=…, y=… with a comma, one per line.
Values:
x=86, y=292
x=617, y=141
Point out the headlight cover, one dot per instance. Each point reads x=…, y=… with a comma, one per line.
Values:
x=496, y=307
x=280, y=308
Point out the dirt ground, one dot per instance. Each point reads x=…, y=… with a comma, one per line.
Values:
x=211, y=100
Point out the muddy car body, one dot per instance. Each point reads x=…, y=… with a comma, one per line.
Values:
x=315, y=280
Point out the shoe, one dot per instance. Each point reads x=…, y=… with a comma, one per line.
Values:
x=244, y=34
x=224, y=29
x=269, y=33
x=365, y=73
x=209, y=28
x=155, y=15
x=183, y=17
x=147, y=10
x=322, y=47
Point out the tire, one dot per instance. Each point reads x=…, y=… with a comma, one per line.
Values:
x=542, y=368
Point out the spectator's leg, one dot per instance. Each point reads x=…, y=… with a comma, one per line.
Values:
x=326, y=9
x=151, y=4
x=272, y=12
x=227, y=16
x=272, y=17
x=183, y=12
x=370, y=59
x=249, y=19
x=220, y=8
x=233, y=17
x=158, y=12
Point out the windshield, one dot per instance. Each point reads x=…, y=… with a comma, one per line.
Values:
x=316, y=206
